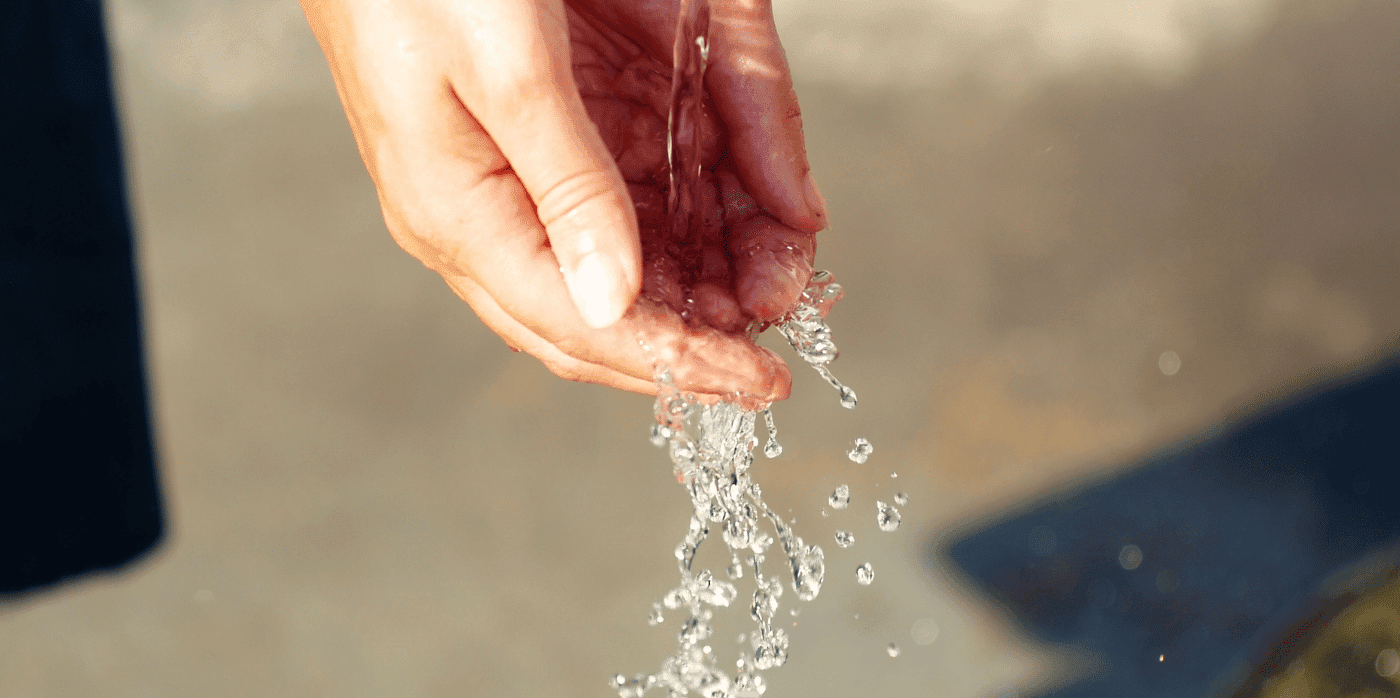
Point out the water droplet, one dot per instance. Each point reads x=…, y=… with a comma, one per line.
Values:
x=848, y=398
x=1129, y=557
x=655, y=617
x=772, y=449
x=901, y=498
x=794, y=612
x=735, y=569
x=865, y=574
x=887, y=517
x=659, y=434
x=924, y=631
x=693, y=631
x=1388, y=662
x=770, y=649
x=809, y=569
x=860, y=451
x=719, y=593
x=892, y=650
x=845, y=539
x=676, y=598
x=840, y=498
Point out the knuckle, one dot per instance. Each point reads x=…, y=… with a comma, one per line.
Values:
x=570, y=195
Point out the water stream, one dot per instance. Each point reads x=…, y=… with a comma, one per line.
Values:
x=711, y=449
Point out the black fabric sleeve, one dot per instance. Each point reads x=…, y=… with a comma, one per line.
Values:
x=78, y=485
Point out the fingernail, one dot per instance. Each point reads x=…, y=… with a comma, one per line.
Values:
x=596, y=285
x=815, y=203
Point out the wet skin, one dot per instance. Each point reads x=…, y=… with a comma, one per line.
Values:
x=519, y=150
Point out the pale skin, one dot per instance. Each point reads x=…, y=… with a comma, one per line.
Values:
x=518, y=148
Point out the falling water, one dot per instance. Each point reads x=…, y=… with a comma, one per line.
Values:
x=711, y=449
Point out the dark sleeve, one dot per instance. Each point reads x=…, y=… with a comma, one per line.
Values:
x=78, y=487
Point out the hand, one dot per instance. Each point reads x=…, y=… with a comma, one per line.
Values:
x=476, y=120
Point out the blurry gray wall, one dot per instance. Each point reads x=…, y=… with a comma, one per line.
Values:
x=1070, y=232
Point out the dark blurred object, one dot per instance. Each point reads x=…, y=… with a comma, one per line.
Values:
x=1346, y=647
x=1198, y=560
x=78, y=488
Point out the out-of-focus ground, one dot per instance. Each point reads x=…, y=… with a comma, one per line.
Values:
x=1040, y=209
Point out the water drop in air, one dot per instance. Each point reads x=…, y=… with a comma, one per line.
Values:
x=892, y=650
x=848, y=398
x=845, y=539
x=887, y=517
x=840, y=498
x=860, y=451
x=901, y=498
x=865, y=574
x=772, y=449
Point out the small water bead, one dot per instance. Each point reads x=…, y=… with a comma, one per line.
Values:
x=749, y=686
x=840, y=498
x=865, y=574
x=808, y=571
x=693, y=631
x=848, y=398
x=845, y=539
x=772, y=449
x=901, y=498
x=735, y=569
x=860, y=451
x=887, y=517
x=892, y=650
x=676, y=598
x=719, y=593
x=659, y=434
x=770, y=648
x=655, y=618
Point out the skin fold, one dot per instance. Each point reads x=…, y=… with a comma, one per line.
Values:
x=519, y=150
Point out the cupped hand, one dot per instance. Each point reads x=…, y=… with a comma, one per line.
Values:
x=519, y=149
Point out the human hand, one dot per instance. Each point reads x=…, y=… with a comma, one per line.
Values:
x=473, y=118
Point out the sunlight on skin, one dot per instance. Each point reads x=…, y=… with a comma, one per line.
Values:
x=519, y=149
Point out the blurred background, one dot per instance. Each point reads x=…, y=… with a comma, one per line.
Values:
x=1073, y=233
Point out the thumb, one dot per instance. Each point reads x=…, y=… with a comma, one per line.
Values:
x=520, y=87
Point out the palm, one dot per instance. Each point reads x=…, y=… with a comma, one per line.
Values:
x=739, y=264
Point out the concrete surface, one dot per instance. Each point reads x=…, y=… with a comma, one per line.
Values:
x=1032, y=202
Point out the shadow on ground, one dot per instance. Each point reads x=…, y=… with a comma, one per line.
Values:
x=1195, y=559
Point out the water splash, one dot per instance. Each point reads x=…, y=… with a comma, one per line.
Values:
x=714, y=464
x=804, y=329
x=711, y=451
